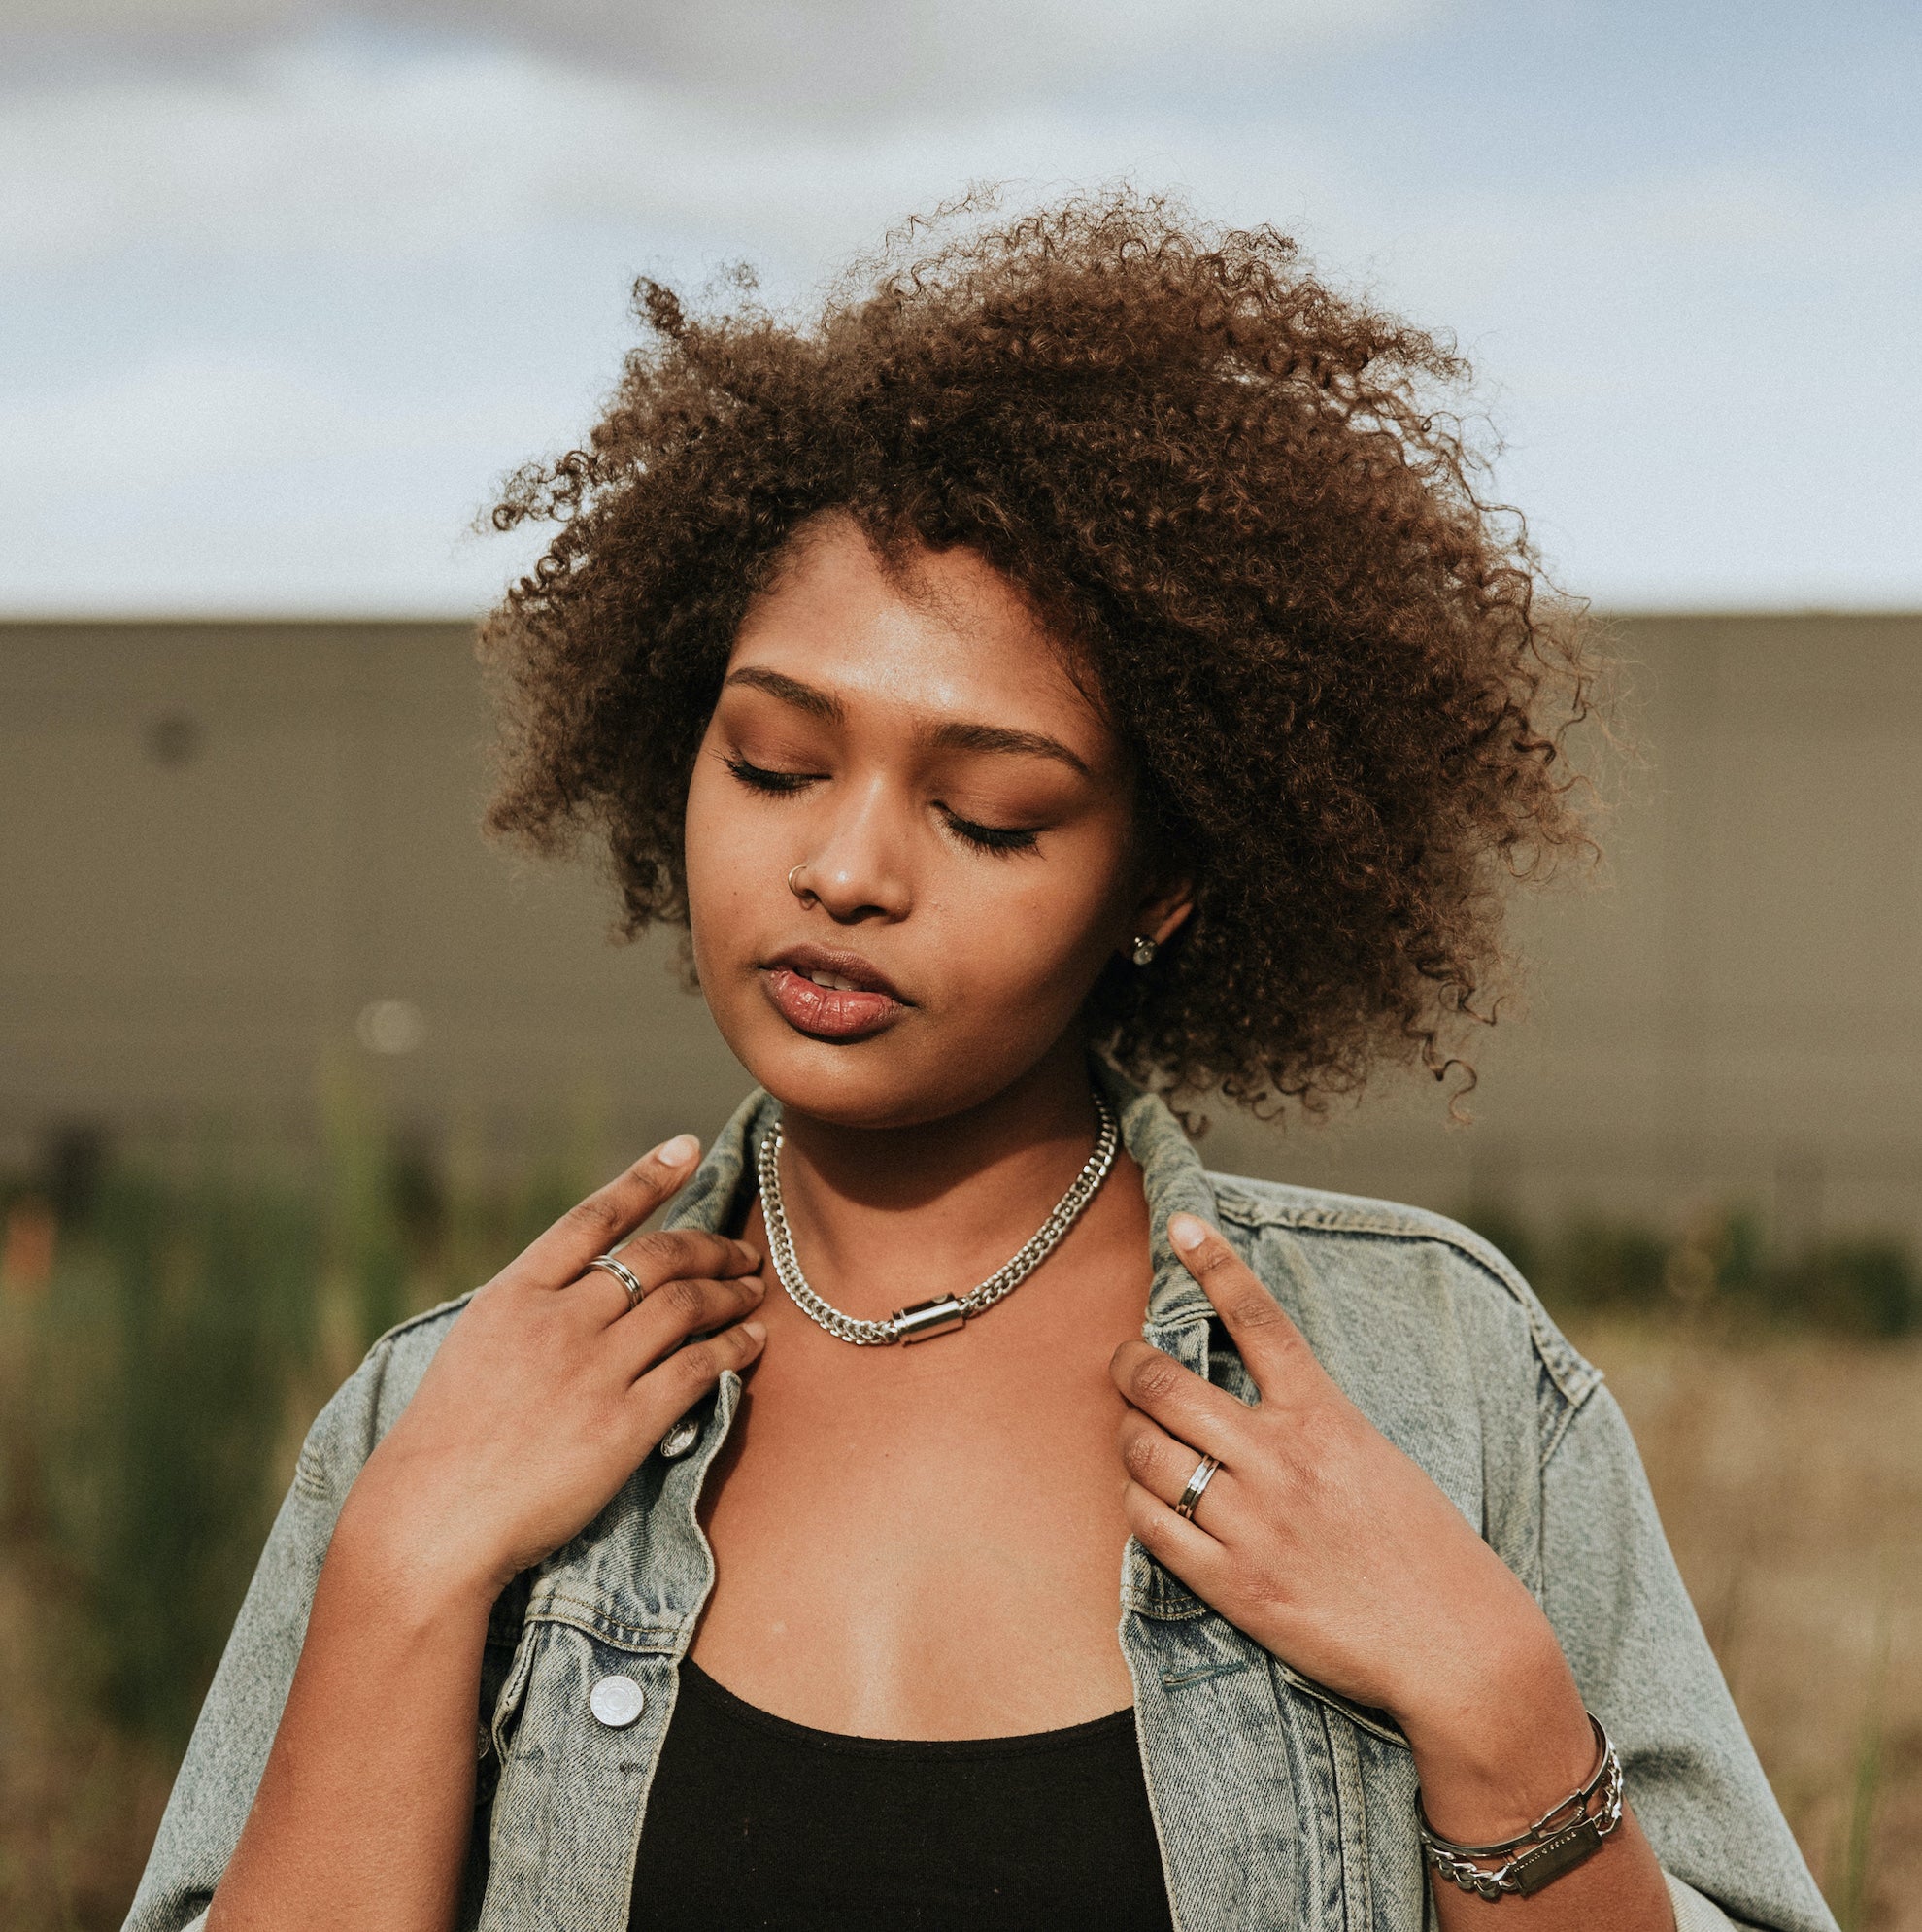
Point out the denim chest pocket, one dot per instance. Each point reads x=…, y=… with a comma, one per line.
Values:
x=1211, y=1647
x=1158, y=1592
x=1364, y=1717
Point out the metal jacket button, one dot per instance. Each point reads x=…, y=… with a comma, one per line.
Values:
x=617, y=1702
x=682, y=1438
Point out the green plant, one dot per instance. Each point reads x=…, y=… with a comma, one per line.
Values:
x=193, y=1322
x=1865, y=1786
x=1867, y=1288
x=164, y=1344
x=1717, y=1266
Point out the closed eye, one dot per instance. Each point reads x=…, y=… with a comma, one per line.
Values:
x=999, y=839
x=759, y=778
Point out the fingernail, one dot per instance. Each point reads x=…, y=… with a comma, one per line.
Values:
x=1186, y=1232
x=754, y=1258
x=759, y=1330
x=678, y=1152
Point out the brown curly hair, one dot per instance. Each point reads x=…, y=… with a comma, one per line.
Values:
x=1234, y=495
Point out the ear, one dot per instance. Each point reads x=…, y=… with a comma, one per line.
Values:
x=1162, y=913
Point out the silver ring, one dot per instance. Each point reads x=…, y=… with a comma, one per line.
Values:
x=623, y=1275
x=792, y=887
x=1197, y=1484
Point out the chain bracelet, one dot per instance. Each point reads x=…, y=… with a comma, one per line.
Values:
x=1558, y=1841
x=1003, y=1281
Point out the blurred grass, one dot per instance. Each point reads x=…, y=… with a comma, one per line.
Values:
x=1852, y=1887
x=169, y=1329
x=1787, y=1469
x=1717, y=1271
x=165, y=1341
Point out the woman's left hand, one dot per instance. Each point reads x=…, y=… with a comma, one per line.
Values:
x=1335, y=1551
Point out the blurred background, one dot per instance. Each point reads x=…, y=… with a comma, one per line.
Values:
x=286, y=1052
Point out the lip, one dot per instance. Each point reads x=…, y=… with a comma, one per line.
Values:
x=869, y=1004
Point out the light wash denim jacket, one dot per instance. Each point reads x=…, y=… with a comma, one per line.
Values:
x=1278, y=1804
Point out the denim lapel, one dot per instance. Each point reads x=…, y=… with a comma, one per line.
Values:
x=1174, y=1183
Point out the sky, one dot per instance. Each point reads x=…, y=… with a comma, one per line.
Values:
x=285, y=288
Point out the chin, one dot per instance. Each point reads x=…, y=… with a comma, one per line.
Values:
x=886, y=1080
x=867, y=1083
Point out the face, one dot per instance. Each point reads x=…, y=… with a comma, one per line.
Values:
x=910, y=751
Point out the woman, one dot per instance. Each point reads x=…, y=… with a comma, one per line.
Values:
x=1087, y=641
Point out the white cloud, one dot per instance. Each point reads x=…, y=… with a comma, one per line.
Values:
x=315, y=151
x=864, y=61
x=291, y=312
x=190, y=481
x=306, y=151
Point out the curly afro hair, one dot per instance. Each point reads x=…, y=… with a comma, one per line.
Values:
x=1234, y=494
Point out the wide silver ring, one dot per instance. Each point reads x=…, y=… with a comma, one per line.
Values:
x=623, y=1275
x=1197, y=1484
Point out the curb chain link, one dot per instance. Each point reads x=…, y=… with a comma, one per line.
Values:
x=1572, y=1818
x=1003, y=1281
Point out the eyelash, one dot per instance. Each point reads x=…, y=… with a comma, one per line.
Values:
x=1001, y=840
x=758, y=777
x=1004, y=841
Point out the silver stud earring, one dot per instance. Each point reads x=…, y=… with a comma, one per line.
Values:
x=1144, y=951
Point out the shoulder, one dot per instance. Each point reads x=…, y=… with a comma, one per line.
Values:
x=1388, y=1292
x=407, y=1347
x=366, y=1406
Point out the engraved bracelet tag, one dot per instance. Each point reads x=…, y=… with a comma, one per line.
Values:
x=1561, y=1853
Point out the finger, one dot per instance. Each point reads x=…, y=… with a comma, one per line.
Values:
x=678, y=1308
x=609, y=1214
x=655, y=1260
x=1163, y=1467
x=668, y=1253
x=670, y=1390
x=1179, y=1400
x=1191, y=1552
x=1270, y=1344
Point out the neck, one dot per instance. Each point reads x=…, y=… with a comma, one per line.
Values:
x=884, y=1217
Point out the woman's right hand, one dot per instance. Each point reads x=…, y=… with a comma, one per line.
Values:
x=549, y=1391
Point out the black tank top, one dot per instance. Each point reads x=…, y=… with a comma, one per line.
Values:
x=754, y=1821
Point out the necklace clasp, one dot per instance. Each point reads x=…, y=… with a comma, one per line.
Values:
x=925, y=1319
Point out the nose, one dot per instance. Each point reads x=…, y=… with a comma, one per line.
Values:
x=860, y=869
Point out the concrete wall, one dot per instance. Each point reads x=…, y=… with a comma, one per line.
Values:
x=231, y=851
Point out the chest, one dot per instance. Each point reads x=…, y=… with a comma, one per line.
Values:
x=881, y=1520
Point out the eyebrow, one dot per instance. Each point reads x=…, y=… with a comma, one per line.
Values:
x=792, y=691
x=955, y=735
x=999, y=738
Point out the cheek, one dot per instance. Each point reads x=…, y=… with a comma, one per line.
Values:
x=1036, y=931
x=721, y=854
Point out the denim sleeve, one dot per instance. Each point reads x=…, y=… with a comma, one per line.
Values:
x=1693, y=1911
x=1617, y=1602
x=228, y=1752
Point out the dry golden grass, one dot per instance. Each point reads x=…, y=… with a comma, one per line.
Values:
x=79, y=1804
x=1789, y=1475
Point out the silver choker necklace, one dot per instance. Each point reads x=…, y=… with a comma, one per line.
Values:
x=946, y=1312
